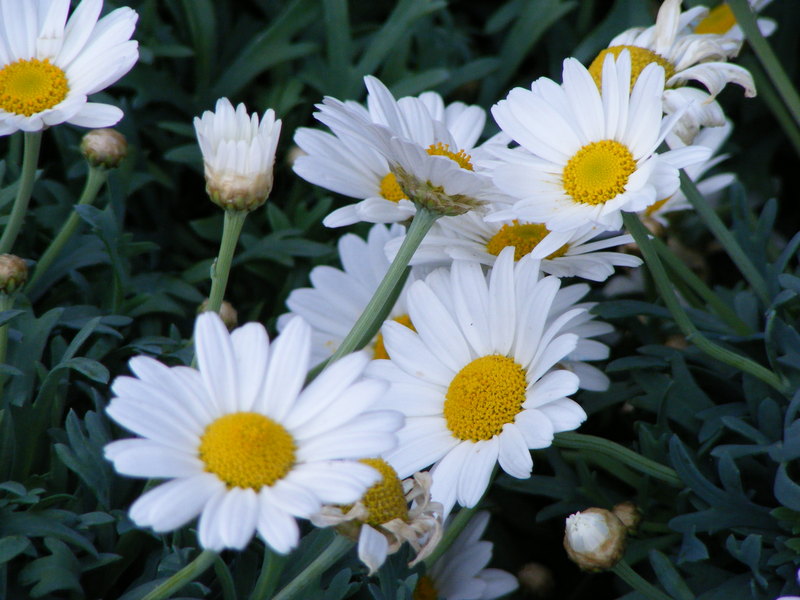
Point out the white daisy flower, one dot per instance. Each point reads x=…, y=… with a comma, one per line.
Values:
x=49, y=64
x=577, y=253
x=588, y=156
x=338, y=296
x=241, y=442
x=720, y=20
x=389, y=513
x=238, y=154
x=476, y=379
x=426, y=146
x=460, y=573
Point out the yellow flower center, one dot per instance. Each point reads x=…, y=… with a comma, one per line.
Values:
x=640, y=58
x=462, y=158
x=483, y=396
x=598, y=172
x=380, y=349
x=425, y=590
x=247, y=450
x=390, y=189
x=385, y=500
x=30, y=86
x=656, y=206
x=524, y=237
x=719, y=20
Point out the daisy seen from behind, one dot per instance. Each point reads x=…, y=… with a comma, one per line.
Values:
x=476, y=379
x=240, y=441
x=588, y=154
x=238, y=154
x=50, y=64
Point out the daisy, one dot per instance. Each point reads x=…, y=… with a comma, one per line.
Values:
x=476, y=378
x=459, y=574
x=426, y=147
x=339, y=296
x=389, y=513
x=577, y=253
x=588, y=156
x=720, y=20
x=241, y=443
x=50, y=64
x=238, y=154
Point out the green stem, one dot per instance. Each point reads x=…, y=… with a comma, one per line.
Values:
x=725, y=237
x=225, y=579
x=232, y=227
x=94, y=181
x=624, y=571
x=271, y=567
x=337, y=549
x=6, y=303
x=772, y=65
x=604, y=447
x=30, y=159
x=640, y=234
x=183, y=577
x=455, y=527
x=722, y=310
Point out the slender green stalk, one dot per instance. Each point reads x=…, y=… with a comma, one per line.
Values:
x=337, y=549
x=268, y=577
x=455, y=527
x=225, y=579
x=772, y=65
x=597, y=445
x=30, y=159
x=640, y=234
x=183, y=577
x=232, y=227
x=95, y=179
x=6, y=303
x=624, y=571
x=725, y=237
x=725, y=312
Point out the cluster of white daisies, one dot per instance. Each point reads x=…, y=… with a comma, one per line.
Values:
x=484, y=346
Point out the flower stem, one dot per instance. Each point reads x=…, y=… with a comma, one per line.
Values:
x=725, y=237
x=183, y=577
x=337, y=549
x=604, y=447
x=742, y=363
x=450, y=533
x=6, y=303
x=30, y=158
x=232, y=227
x=624, y=571
x=94, y=181
x=268, y=578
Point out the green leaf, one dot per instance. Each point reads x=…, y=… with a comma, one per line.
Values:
x=12, y=546
x=669, y=577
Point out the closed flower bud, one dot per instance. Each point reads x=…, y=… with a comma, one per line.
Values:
x=595, y=539
x=227, y=313
x=536, y=580
x=629, y=514
x=104, y=148
x=13, y=273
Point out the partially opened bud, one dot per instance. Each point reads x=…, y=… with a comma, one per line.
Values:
x=104, y=148
x=13, y=273
x=595, y=539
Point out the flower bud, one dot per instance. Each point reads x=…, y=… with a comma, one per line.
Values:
x=227, y=313
x=629, y=514
x=104, y=148
x=536, y=580
x=13, y=273
x=594, y=539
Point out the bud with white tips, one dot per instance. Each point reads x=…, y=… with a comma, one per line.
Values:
x=104, y=148
x=595, y=539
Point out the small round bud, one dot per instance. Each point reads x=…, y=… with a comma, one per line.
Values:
x=227, y=313
x=293, y=154
x=536, y=580
x=629, y=514
x=594, y=539
x=104, y=148
x=13, y=273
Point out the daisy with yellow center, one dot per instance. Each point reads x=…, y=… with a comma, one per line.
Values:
x=721, y=21
x=240, y=441
x=588, y=154
x=50, y=64
x=476, y=380
x=389, y=513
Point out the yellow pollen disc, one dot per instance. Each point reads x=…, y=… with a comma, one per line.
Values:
x=462, y=158
x=385, y=500
x=247, y=450
x=390, y=189
x=425, y=589
x=719, y=20
x=524, y=237
x=380, y=349
x=640, y=58
x=483, y=396
x=598, y=172
x=30, y=86
x=656, y=206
